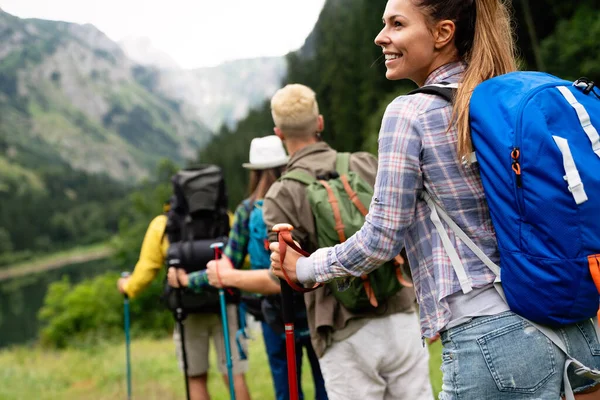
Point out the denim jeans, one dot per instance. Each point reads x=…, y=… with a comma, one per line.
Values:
x=503, y=357
x=275, y=344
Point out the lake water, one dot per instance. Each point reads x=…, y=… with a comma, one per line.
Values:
x=21, y=298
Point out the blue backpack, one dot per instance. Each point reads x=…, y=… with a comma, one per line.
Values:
x=258, y=242
x=538, y=150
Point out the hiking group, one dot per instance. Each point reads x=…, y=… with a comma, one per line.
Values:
x=484, y=196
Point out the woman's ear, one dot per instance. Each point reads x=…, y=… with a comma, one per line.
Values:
x=444, y=33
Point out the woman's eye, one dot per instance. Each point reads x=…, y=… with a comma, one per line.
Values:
x=397, y=23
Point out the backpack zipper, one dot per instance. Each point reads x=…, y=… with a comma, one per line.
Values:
x=516, y=166
x=516, y=153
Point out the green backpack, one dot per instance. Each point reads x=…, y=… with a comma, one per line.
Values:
x=338, y=205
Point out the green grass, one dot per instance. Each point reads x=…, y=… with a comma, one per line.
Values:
x=99, y=373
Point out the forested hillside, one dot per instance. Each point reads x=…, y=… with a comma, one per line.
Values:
x=341, y=63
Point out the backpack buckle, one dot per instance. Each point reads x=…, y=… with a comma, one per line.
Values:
x=585, y=84
x=469, y=159
x=573, y=186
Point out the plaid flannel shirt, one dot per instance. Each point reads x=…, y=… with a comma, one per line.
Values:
x=236, y=248
x=237, y=244
x=418, y=152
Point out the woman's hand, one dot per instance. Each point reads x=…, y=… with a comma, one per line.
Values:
x=121, y=284
x=433, y=339
x=177, y=277
x=216, y=269
x=291, y=257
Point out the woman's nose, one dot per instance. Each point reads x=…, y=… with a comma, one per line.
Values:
x=381, y=38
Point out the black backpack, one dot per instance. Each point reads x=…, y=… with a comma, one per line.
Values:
x=197, y=217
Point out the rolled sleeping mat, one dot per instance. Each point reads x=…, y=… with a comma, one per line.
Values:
x=191, y=255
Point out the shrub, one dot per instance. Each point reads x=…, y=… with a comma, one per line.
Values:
x=92, y=311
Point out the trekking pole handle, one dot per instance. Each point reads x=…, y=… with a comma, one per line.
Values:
x=217, y=245
x=285, y=239
x=125, y=274
x=218, y=248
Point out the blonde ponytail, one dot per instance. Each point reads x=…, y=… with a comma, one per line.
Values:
x=492, y=54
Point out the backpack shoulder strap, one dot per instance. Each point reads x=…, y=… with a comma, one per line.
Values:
x=299, y=176
x=342, y=163
x=248, y=205
x=444, y=90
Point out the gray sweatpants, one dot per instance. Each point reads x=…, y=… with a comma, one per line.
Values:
x=383, y=360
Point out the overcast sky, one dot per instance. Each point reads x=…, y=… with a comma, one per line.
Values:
x=195, y=33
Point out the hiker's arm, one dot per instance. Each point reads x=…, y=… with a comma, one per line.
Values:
x=392, y=210
x=151, y=260
x=237, y=244
x=222, y=274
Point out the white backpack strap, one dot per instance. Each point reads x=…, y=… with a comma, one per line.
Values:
x=572, y=174
x=584, y=118
x=580, y=369
x=459, y=268
x=445, y=85
x=435, y=208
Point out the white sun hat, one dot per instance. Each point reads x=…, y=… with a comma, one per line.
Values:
x=266, y=152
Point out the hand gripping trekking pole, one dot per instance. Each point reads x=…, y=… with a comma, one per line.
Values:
x=218, y=248
x=284, y=237
x=287, y=305
x=127, y=337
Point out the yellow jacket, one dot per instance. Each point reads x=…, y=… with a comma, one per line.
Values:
x=152, y=256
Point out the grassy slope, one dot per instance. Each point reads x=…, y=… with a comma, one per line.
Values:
x=99, y=374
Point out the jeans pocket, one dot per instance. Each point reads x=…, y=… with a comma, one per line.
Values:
x=589, y=333
x=520, y=358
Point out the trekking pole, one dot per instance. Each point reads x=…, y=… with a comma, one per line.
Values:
x=241, y=333
x=217, y=248
x=287, y=305
x=127, y=338
x=179, y=317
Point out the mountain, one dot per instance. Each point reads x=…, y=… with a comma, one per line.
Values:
x=142, y=51
x=224, y=94
x=69, y=94
x=219, y=95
